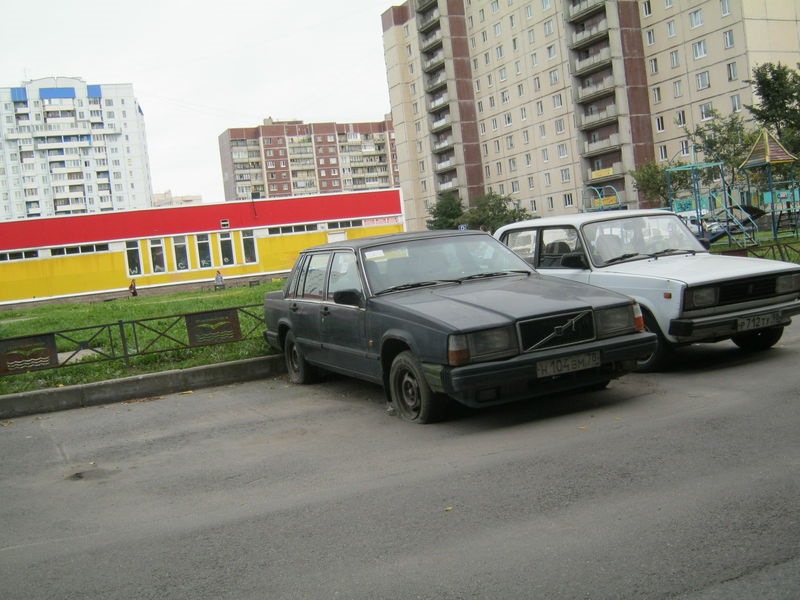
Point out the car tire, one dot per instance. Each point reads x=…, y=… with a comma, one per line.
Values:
x=410, y=393
x=663, y=352
x=755, y=341
x=297, y=367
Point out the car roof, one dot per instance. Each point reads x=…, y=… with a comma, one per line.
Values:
x=391, y=238
x=578, y=219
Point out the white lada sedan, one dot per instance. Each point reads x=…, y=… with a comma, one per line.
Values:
x=687, y=294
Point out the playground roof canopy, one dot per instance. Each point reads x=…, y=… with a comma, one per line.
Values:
x=767, y=150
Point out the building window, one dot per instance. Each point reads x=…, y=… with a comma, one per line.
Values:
x=651, y=37
x=699, y=49
x=248, y=246
x=677, y=88
x=550, y=203
x=659, y=123
x=703, y=80
x=548, y=27
x=736, y=103
x=653, y=66
x=568, y=202
x=557, y=101
x=181, y=253
x=562, y=150
x=727, y=37
x=559, y=125
x=157, y=256
x=732, y=73
x=685, y=147
x=554, y=77
x=671, y=30
x=674, y=59
x=680, y=118
x=203, y=250
x=656, y=95
x=662, y=152
x=133, y=257
x=565, y=175
x=647, y=10
x=706, y=111
x=725, y=7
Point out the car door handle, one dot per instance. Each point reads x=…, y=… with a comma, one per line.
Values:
x=294, y=307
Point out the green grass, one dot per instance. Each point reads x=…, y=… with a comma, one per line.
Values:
x=58, y=317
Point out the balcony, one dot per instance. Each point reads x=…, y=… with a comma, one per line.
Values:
x=435, y=83
x=587, y=37
x=438, y=102
x=593, y=63
x=585, y=8
x=434, y=63
x=431, y=41
x=601, y=146
x=604, y=117
x=449, y=184
x=590, y=93
x=443, y=145
x=440, y=124
x=428, y=22
x=615, y=171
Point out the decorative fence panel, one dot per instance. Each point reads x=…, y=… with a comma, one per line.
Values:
x=126, y=339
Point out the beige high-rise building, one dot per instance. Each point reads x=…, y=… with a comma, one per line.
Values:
x=293, y=158
x=554, y=102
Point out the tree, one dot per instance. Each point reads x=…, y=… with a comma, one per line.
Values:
x=492, y=211
x=651, y=182
x=446, y=213
x=778, y=89
x=723, y=139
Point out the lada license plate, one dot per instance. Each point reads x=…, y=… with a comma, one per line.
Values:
x=758, y=322
x=567, y=364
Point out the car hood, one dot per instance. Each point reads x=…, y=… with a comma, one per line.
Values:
x=498, y=300
x=693, y=269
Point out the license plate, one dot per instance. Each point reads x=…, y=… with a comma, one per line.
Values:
x=758, y=322
x=567, y=364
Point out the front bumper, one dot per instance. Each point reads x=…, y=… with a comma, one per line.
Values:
x=720, y=327
x=498, y=382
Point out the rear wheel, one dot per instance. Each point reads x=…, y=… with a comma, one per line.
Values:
x=663, y=351
x=758, y=340
x=297, y=367
x=410, y=393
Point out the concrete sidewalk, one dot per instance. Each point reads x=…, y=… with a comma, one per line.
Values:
x=139, y=386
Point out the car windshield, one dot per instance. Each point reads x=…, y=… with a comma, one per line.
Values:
x=638, y=237
x=430, y=261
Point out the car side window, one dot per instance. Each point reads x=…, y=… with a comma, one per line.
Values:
x=343, y=274
x=554, y=244
x=313, y=277
x=522, y=242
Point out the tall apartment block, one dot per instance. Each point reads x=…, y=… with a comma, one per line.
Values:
x=554, y=102
x=293, y=158
x=67, y=147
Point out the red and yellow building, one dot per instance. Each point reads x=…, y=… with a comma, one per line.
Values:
x=87, y=254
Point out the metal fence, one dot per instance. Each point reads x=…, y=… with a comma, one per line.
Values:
x=125, y=339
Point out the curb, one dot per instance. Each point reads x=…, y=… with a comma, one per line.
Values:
x=138, y=386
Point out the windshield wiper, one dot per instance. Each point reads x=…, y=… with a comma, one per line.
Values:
x=622, y=257
x=672, y=251
x=494, y=274
x=416, y=284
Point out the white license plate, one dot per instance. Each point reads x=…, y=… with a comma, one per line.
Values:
x=567, y=364
x=758, y=322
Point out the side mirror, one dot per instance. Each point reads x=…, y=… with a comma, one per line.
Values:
x=347, y=297
x=574, y=260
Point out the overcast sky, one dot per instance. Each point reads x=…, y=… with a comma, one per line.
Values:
x=200, y=68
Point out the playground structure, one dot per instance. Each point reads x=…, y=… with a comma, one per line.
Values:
x=730, y=211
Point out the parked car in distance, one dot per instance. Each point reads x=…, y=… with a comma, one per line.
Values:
x=456, y=314
x=687, y=294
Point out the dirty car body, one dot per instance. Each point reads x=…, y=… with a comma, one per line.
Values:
x=687, y=294
x=456, y=314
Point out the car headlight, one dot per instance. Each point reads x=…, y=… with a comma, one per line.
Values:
x=615, y=321
x=701, y=297
x=786, y=284
x=479, y=346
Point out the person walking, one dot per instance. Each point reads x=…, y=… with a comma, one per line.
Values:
x=132, y=289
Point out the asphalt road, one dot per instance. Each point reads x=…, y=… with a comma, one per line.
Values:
x=684, y=484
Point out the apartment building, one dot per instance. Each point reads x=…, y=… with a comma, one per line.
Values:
x=293, y=158
x=554, y=102
x=68, y=147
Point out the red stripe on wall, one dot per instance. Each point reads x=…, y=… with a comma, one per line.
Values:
x=158, y=222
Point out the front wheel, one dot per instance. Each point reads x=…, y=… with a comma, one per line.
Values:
x=410, y=393
x=297, y=367
x=754, y=341
x=661, y=354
